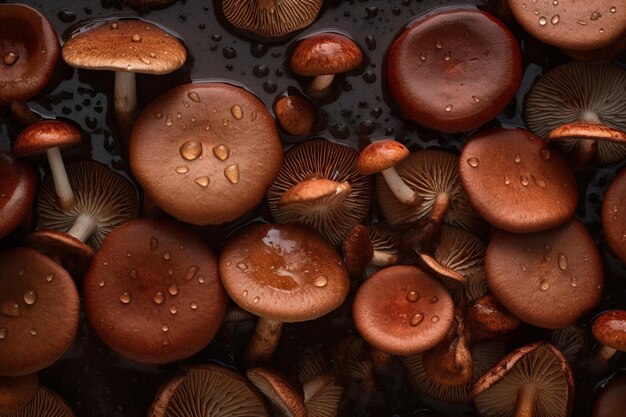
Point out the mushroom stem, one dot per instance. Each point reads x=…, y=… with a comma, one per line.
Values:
x=526, y=400
x=398, y=187
x=605, y=353
x=320, y=84
x=264, y=342
x=584, y=152
x=61, y=182
x=125, y=100
x=23, y=114
x=83, y=227
x=382, y=258
x=437, y=214
x=589, y=116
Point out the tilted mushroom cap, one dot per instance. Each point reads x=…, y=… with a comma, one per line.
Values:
x=152, y=292
x=358, y=250
x=129, y=45
x=609, y=328
x=613, y=219
x=325, y=54
x=295, y=114
x=516, y=181
x=209, y=390
x=39, y=309
x=271, y=18
x=106, y=198
x=321, y=159
x=454, y=70
x=283, y=272
x=45, y=404
x=535, y=376
x=590, y=143
x=206, y=152
x=40, y=136
x=17, y=391
x=548, y=279
x=572, y=24
x=402, y=310
x=17, y=192
x=611, y=401
x=486, y=319
x=381, y=155
x=61, y=246
x=29, y=52
x=278, y=390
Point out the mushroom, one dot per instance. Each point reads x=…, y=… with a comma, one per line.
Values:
x=534, y=380
x=454, y=69
x=367, y=249
x=17, y=391
x=549, y=279
x=17, y=192
x=104, y=200
x=29, y=51
x=152, y=293
x=613, y=223
x=516, y=181
x=318, y=185
x=282, y=273
x=611, y=400
x=49, y=137
x=401, y=310
x=206, y=152
x=572, y=24
x=277, y=389
x=39, y=309
x=127, y=47
x=295, y=114
x=609, y=329
x=270, y=18
x=209, y=390
x=45, y=404
x=323, y=56
x=486, y=319
x=63, y=248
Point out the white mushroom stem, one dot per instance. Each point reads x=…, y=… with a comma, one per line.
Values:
x=125, y=99
x=526, y=397
x=382, y=258
x=321, y=83
x=83, y=227
x=62, y=186
x=23, y=114
x=605, y=353
x=398, y=187
x=588, y=116
x=269, y=5
x=264, y=342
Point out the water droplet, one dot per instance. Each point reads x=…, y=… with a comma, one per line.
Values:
x=412, y=296
x=245, y=293
x=154, y=243
x=10, y=309
x=614, y=208
x=320, y=281
x=523, y=180
x=595, y=16
x=507, y=180
x=102, y=283
x=50, y=277
x=613, y=9
x=524, y=269
x=191, y=150
x=33, y=332
x=517, y=158
x=540, y=182
x=182, y=169
x=170, y=271
x=194, y=96
x=158, y=298
x=572, y=282
x=167, y=255
x=562, y=261
x=125, y=297
x=242, y=266
x=114, y=26
x=448, y=107
x=135, y=38
x=168, y=120
x=11, y=58
x=582, y=22
x=555, y=19
x=473, y=162
x=191, y=272
x=3, y=333
x=133, y=274
x=165, y=328
x=202, y=181
x=543, y=20
x=438, y=44
x=543, y=285
x=173, y=310
x=417, y=319
x=423, y=57
x=200, y=279
x=165, y=341
x=435, y=319
x=21, y=272
x=152, y=55
x=145, y=60
x=237, y=111
x=256, y=300
x=30, y=297
x=231, y=172
x=476, y=99
x=172, y=289
x=194, y=306
x=433, y=300
x=221, y=152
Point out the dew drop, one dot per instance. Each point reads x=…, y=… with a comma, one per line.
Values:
x=543, y=21
x=473, y=162
x=231, y=172
x=517, y=158
x=50, y=277
x=476, y=99
x=145, y=60
x=256, y=300
x=133, y=274
x=182, y=169
x=572, y=282
x=170, y=271
x=158, y=115
x=543, y=285
x=438, y=44
x=165, y=328
x=30, y=297
x=595, y=16
x=191, y=150
x=423, y=57
x=158, y=298
x=524, y=269
x=523, y=180
x=417, y=319
x=242, y=266
x=152, y=55
x=221, y=152
x=172, y=289
x=193, y=306
x=433, y=300
x=3, y=333
x=173, y=310
x=168, y=120
x=614, y=208
x=545, y=154
x=202, y=181
x=11, y=58
x=448, y=107
x=237, y=111
x=105, y=263
x=136, y=38
x=562, y=261
x=245, y=293
x=555, y=19
x=102, y=283
x=194, y=96
x=320, y=281
x=191, y=272
x=21, y=272
x=412, y=296
x=125, y=297
x=10, y=309
x=33, y=332
x=165, y=341
x=200, y=279
x=613, y=9
x=154, y=243
x=507, y=180
x=114, y=26
x=547, y=248
x=582, y=22
x=167, y=255
x=435, y=319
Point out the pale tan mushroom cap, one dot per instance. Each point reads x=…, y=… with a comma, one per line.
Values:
x=131, y=45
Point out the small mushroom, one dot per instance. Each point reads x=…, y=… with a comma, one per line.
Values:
x=17, y=192
x=613, y=220
x=323, y=56
x=611, y=400
x=486, y=319
x=295, y=114
x=609, y=329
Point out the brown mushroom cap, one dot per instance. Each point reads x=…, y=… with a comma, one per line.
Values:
x=45, y=404
x=40, y=136
x=516, y=181
x=61, y=246
x=17, y=192
x=29, y=52
x=17, y=391
x=206, y=152
x=611, y=401
x=271, y=18
x=283, y=272
x=548, y=279
x=590, y=143
x=402, y=310
x=129, y=45
x=278, y=390
x=539, y=367
x=613, y=219
x=39, y=310
x=325, y=54
x=572, y=24
x=380, y=155
x=454, y=69
x=295, y=114
x=609, y=328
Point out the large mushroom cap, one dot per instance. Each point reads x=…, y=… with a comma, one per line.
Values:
x=130, y=45
x=40, y=136
x=609, y=328
x=550, y=278
x=39, y=309
x=29, y=49
x=325, y=54
x=283, y=272
x=206, y=152
x=516, y=181
x=613, y=218
x=17, y=192
x=402, y=310
x=454, y=70
x=611, y=401
x=152, y=292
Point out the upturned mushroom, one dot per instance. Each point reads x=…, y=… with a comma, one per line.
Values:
x=295, y=114
x=369, y=247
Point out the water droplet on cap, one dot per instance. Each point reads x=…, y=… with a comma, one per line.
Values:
x=11, y=58
x=168, y=120
x=595, y=16
x=320, y=281
x=242, y=266
x=202, y=181
x=562, y=261
x=191, y=272
x=613, y=9
x=507, y=180
x=182, y=169
x=165, y=328
x=3, y=333
x=433, y=300
x=10, y=309
x=114, y=26
x=237, y=111
x=544, y=285
x=166, y=341
x=412, y=296
x=194, y=96
x=256, y=300
x=473, y=162
x=50, y=277
x=231, y=172
x=102, y=283
x=133, y=274
x=221, y=152
x=448, y=107
x=33, y=332
x=191, y=150
x=125, y=297
x=423, y=57
x=194, y=306
x=135, y=38
x=172, y=289
x=417, y=319
x=438, y=44
x=543, y=20
x=158, y=298
x=173, y=310
x=555, y=19
x=435, y=319
x=30, y=297
x=523, y=180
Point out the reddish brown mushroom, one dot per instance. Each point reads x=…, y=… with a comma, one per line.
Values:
x=611, y=401
x=17, y=192
x=613, y=219
x=16, y=392
x=152, y=292
x=295, y=114
x=609, y=329
x=454, y=69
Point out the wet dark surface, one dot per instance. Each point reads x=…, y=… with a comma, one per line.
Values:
x=97, y=382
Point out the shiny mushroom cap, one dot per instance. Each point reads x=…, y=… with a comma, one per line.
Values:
x=590, y=143
x=325, y=54
x=40, y=136
x=358, y=250
x=613, y=219
x=17, y=192
x=152, y=292
x=380, y=155
x=295, y=114
x=609, y=328
x=611, y=401
x=206, y=152
x=278, y=390
x=29, y=52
